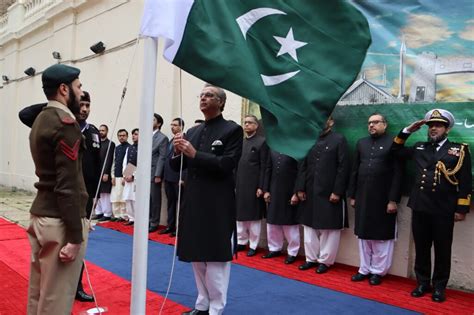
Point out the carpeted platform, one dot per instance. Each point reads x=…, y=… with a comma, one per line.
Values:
x=257, y=285
x=394, y=291
x=250, y=291
x=112, y=291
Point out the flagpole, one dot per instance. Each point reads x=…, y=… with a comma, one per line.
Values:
x=142, y=197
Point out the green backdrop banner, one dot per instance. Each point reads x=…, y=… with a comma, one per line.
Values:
x=351, y=121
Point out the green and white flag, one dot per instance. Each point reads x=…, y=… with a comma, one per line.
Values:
x=295, y=58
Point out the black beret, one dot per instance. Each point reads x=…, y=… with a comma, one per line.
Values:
x=57, y=74
x=86, y=97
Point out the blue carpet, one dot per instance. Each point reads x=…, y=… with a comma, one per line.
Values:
x=250, y=291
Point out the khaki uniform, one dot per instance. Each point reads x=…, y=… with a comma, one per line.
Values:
x=58, y=211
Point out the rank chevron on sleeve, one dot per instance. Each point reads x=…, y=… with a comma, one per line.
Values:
x=71, y=152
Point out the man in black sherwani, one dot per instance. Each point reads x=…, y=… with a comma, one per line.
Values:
x=374, y=190
x=249, y=186
x=207, y=222
x=440, y=196
x=279, y=186
x=103, y=210
x=321, y=185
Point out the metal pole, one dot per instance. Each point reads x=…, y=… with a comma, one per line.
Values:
x=143, y=175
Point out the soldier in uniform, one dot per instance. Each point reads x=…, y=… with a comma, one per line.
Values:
x=321, y=186
x=440, y=196
x=279, y=193
x=90, y=161
x=103, y=209
x=90, y=169
x=207, y=232
x=58, y=227
x=375, y=190
x=249, y=186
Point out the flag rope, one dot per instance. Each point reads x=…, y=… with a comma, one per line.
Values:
x=178, y=205
x=94, y=205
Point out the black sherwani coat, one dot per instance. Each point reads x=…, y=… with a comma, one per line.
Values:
x=325, y=170
x=250, y=177
x=207, y=218
x=375, y=180
x=106, y=187
x=280, y=179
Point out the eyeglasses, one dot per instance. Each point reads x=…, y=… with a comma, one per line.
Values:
x=375, y=122
x=208, y=95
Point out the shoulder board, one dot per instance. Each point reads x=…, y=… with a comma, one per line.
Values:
x=65, y=117
x=93, y=127
x=68, y=120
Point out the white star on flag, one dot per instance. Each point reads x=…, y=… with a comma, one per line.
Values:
x=289, y=45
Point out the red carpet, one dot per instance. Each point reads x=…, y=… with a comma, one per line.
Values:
x=111, y=290
x=394, y=290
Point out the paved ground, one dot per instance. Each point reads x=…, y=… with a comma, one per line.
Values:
x=15, y=205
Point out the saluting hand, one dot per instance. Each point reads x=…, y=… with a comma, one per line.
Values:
x=392, y=207
x=416, y=125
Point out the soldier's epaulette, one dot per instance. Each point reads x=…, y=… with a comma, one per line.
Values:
x=65, y=117
x=68, y=120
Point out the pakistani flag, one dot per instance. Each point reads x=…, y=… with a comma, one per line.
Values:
x=295, y=58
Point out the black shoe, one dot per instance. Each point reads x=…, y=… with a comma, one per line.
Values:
x=83, y=296
x=196, y=312
x=241, y=247
x=438, y=295
x=420, y=290
x=97, y=216
x=251, y=252
x=271, y=254
x=290, y=259
x=322, y=268
x=129, y=223
x=152, y=229
x=166, y=231
x=307, y=265
x=104, y=218
x=375, y=279
x=358, y=277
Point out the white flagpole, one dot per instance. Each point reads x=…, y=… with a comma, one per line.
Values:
x=140, y=236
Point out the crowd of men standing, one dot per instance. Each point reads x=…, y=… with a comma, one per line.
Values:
x=313, y=193
x=232, y=180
